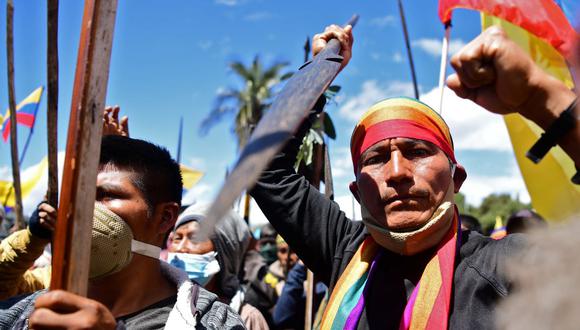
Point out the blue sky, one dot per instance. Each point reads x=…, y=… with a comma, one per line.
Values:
x=170, y=58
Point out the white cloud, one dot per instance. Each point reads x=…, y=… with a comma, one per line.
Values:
x=433, y=46
x=201, y=192
x=375, y=56
x=476, y=188
x=197, y=163
x=472, y=127
x=383, y=21
x=347, y=204
x=397, y=57
x=341, y=163
x=372, y=92
x=29, y=175
x=205, y=45
x=258, y=16
x=227, y=2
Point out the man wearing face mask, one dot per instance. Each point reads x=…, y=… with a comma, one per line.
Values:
x=138, y=196
x=217, y=263
x=407, y=265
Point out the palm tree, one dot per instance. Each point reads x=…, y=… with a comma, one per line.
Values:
x=249, y=102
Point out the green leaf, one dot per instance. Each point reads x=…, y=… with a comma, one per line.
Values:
x=328, y=126
x=317, y=138
x=334, y=88
x=286, y=76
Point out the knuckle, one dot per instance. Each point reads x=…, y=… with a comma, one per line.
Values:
x=495, y=31
x=36, y=316
x=50, y=298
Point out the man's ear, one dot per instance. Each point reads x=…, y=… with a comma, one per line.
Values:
x=354, y=190
x=459, y=177
x=169, y=213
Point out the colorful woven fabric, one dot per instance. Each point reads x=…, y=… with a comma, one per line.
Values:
x=400, y=117
x=428, y=306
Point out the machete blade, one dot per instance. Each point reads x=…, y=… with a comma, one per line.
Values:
x=289, y=109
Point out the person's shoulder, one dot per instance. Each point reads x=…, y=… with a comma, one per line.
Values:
x=476, y=245
x=215, y=314
x=488, y=258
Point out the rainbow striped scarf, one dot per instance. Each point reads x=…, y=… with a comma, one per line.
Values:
x=429, y=304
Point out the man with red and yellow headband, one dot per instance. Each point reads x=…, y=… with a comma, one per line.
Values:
x=407, y=265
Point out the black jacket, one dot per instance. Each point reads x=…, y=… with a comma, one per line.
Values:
x=325, y=239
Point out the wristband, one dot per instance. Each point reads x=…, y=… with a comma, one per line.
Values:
x=559, y=128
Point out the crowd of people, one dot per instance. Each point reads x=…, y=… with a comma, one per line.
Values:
x=413, y=262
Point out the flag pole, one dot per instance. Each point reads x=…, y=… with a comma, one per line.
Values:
x=179, y=138
x=307, y=49
x=22, y=154
x=30, y=132
x=19, y=224
x=52, y=101
x=409, y=53
x=443, y=66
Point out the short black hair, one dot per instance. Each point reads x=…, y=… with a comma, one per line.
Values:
x=470, y=222
x=523, y=221
x=157, y=175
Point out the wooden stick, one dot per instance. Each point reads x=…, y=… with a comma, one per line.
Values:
x=408, y=46
x=71, y=247
x=317, y=172
x=19, y=224
x=247, y=200
x=328, y=181
x=52, y=100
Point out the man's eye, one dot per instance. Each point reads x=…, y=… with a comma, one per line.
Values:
x=419, y=152
x=371, y=160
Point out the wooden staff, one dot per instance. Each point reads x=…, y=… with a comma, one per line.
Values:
x=408, y=46
x=71, y=247
x=19, y=224
x=52, y=100
x=328, y=182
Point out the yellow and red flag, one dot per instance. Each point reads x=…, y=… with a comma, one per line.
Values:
x=542, y=28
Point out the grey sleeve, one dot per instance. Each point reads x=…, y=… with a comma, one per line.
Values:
x=220, y=316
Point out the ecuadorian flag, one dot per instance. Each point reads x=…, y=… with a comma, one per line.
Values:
x=25, y=112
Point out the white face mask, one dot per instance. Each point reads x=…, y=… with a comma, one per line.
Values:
x=199, y=267
x=421, y=239
x=112, y=244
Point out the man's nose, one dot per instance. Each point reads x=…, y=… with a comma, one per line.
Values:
x=184, y=246
x=398, y=167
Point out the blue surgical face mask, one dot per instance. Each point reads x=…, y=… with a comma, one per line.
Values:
x=199, y=267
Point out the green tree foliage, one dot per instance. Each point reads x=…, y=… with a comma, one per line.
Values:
x=502, y=205
x=248, y=102
x=323, y=126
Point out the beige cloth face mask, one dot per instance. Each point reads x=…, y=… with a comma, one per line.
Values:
x=112, y=244
x=421, y=239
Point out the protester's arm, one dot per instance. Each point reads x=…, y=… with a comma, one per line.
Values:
x=495, y=73
x=313, y=225
x=19, y=251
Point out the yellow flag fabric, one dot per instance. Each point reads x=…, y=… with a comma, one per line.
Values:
x=190, y=176
x=31, y=180
x=552, y=193
x=34, y=183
